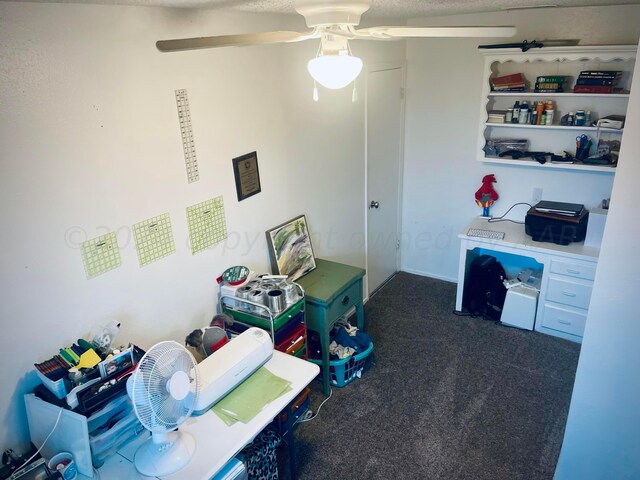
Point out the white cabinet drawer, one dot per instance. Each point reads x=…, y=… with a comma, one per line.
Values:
x=586, y=270
x=569, y=292
x=563, y=319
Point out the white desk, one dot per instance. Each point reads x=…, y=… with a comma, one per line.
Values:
x=567, y=276
x=217, y=443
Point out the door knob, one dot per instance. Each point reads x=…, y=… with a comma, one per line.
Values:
x=374, y=204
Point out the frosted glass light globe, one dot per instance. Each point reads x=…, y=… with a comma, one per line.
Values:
x=334, y=71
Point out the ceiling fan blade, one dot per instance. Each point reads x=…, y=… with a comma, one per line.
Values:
x=404, y=32
x=241, y=40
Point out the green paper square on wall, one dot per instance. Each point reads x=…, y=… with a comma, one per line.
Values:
x=207, y=224
x=154, y=239
x=101, y=254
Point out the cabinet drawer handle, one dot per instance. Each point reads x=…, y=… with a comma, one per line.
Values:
x=345, y=300
x=569, y=294
x=575, y=272
x=564, y=322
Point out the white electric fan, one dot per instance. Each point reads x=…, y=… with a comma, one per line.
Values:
x=164, y=390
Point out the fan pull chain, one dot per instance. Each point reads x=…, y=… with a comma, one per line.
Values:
x=316, y=97
x=354, y=94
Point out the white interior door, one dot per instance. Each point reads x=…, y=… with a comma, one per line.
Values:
x=385, y=119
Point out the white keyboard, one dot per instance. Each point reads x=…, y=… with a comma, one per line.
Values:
x=490, y=234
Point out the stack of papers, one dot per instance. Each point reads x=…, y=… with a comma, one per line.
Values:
x=496, y=116
x=251, y=396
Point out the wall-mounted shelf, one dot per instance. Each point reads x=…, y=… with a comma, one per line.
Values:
x=553, y=127
x=559, y=94
x=529, y=162
x=565, y=61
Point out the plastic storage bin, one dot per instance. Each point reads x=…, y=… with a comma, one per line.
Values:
x=90, y=439
x=262, y=320
x=59, y=388
x=105, y=441
x=345, y=370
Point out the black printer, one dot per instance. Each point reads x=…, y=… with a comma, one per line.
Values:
x=557, y=222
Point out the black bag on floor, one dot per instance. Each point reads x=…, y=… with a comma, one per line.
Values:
x=484, y=292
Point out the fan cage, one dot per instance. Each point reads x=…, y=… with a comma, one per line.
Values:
x=156, y=409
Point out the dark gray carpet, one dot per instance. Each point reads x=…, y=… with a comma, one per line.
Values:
x=443, y=397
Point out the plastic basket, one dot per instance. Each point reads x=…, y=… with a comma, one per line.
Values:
x=345, y=370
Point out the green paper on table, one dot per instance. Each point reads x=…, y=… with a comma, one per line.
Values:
x=251, y=396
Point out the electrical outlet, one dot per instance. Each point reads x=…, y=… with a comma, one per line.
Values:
x=537, y=195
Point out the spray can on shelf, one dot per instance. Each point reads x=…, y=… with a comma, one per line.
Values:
x=516, y=112
x=587, y=118
x=539, y=109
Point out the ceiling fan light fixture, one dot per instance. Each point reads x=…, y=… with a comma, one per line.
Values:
x=335, y=71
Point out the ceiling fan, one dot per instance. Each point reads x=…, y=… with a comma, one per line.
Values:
x=334, y=23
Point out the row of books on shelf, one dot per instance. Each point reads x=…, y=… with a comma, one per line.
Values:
x=550, y=84
x=508, y=83
x=589, y=81
x=597, y=81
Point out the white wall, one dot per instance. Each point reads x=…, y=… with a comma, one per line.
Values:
x=441, y=173
x=601, y=438
x=89, y=143
x=327, y=171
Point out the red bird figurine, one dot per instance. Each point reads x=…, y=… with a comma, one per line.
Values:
x=486, y=195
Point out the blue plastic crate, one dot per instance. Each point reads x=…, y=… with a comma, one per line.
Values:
x=344, y=371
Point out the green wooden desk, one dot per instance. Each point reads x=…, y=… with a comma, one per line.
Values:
x=331, y=290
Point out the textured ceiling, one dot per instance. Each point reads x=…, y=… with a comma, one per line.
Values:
x=380, y=8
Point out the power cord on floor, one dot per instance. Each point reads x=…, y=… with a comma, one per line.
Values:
x=462, y=313
x=43, y=443
x=308, y=416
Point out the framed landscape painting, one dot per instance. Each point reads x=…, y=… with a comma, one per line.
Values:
x=290, y=248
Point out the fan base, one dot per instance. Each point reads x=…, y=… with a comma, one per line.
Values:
x=162, y=456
